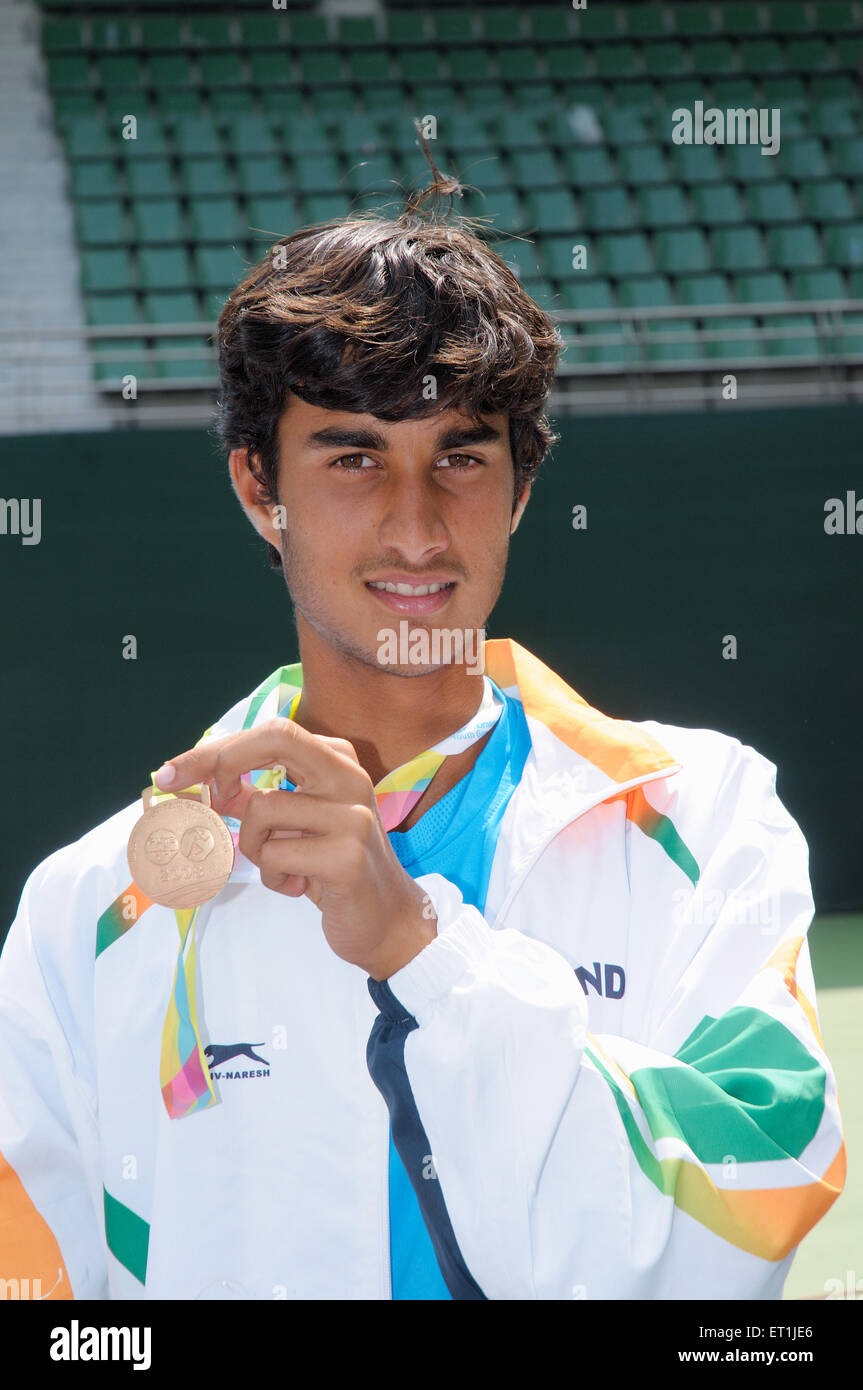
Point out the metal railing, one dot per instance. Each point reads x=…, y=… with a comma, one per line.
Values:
x=622, y=359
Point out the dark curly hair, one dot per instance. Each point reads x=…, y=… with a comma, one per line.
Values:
x=361, y=313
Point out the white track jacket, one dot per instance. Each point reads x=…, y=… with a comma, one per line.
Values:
x=616, y=1070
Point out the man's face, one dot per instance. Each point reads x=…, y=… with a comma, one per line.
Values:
x=368, y=503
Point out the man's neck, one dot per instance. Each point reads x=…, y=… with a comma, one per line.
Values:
x=389, y=719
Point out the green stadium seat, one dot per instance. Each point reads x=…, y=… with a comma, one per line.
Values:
x=662, y=59
x=323, y=207
x=844, y=244
x=210, y=31
x=178, y=101
x=485, y=169
x=597, y=22
x=535, y=169
x=732, y=338
x=818, y=284
x=305, y=135
x=221, y=69
x=261, y=174
x=217, y=219
x=71, y=106
x=626, y=253
x=262, y=31
x=850, y=338
x=515, y=132
x=96, y=178
x=119, y=70
x=557, y=254
x=789, y=17
x=169, y=70
x=164, y=268
x=614, y=349
x=663, y=207
x=588, y=168
x=644, y=164
x=760, y=56
x=252, y=136
x=747, y=164
x=618, y=60
x=68, y=70
x=321, y=65
x=151, y=178
x=649, y=291
x=718, y=205
x=308, y=30
x=107, y=270
x=379, y=172
x=568, y=61
x=773, y=202
x=847, y=157
x=112, y=310
x=795, y=336
x=452, y=26
x=283, y=103
x=714, y=58
x=739, y=17
x=796, y=247
x=679, y=91
x=547, y=23
x=809, y=55
x=369, y=65
x=503, y=207
x=607, y=209
x=172, y=306
x=160, y=31
x=849, y=52
x=833, y=118
x=672, y=340
x=835, y=16
x=644, y=21
x=520, y=65
x=196, y=135
x=698, y=290
x=318, y=173
x=692, y=20
x=88, y=138
x=587, y=294
x=364, y=135
x=158, y=221
x=102, y=224
x=696, y=164
x=357, y=31
x=523, y=258
x=638, y=98
x=779, y=90
x=173, y=366
x=583, y=93
x=682, y=252
x=735, y=91
x=623, y=127
x=764, y=287
x=272, y=68
x=274, y=216
x=738, y=249
x=471, y=65
x=801, y=160
x=206, y=176
x=827, y=202
x=61, y=36
x=216, y=266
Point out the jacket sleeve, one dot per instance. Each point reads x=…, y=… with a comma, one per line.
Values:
x=51, y=1238
x=686, y=1159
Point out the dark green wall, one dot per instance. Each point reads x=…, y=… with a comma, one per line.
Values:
x=698, y=526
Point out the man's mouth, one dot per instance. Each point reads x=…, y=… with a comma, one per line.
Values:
x=401, y=596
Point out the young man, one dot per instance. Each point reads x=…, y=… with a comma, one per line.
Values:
x=501, y=997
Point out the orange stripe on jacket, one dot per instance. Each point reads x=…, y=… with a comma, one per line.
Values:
x=28, y=1247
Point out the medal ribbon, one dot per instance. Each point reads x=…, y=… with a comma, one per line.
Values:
x=184, y=1074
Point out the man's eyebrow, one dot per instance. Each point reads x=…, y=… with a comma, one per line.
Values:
x=355, y=437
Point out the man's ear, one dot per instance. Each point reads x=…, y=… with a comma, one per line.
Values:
x=252, y=494
x=520, y=505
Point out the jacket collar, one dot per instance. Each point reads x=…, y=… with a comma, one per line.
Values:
x=580, y=757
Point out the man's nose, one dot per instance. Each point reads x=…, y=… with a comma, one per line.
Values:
x=412, y=521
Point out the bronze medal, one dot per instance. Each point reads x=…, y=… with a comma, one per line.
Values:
x=180, y=852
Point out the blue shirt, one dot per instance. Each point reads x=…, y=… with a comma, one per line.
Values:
x=456, y=838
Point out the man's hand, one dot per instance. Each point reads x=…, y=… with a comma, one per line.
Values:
x=325, y=840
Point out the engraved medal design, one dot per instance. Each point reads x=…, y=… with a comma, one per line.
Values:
x=180, y=852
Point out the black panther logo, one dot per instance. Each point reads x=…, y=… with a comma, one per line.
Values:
x=219, y=1053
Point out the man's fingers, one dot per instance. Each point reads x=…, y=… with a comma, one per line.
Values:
x=274, y=816
x=311, y=761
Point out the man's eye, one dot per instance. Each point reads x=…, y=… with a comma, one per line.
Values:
x=353, y=463
x=458, y=460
